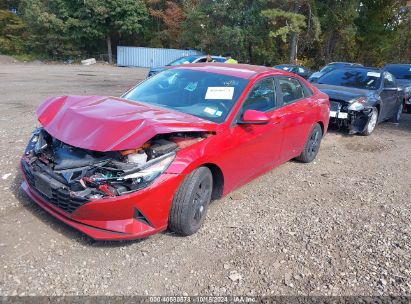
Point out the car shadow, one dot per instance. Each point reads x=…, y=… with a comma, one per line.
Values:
x=69, y=232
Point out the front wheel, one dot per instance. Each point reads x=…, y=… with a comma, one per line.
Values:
x=372, y=123
x=312, y=146
x=190, y=202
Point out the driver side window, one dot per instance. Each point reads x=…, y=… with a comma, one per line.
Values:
x=262, y=96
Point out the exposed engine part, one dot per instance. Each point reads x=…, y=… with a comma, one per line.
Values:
x=139, y=158
x=68, y=176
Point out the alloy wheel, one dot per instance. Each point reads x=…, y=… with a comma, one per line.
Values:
x=314, y=143
x=200, y=200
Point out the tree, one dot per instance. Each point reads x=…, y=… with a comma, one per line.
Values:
x=339, y=31
x=79, y=21
x=102, y=19
x=12, y=32
x=286, y=24
x=167, y=17
x=228, y=25
x=377, y=23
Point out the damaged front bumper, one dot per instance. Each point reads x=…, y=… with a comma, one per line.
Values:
x=114, y=195
x=354, y=121
x=126, y=217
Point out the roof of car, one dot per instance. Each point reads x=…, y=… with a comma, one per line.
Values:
x=245, y=71
x=346, y=63
x=361, y=68
x=357, y=68
x=289, y=64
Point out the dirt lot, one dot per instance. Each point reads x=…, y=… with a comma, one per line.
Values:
x=338, y=226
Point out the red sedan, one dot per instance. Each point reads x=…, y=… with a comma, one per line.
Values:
x=125, y=168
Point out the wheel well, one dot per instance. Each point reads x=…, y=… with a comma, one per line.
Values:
x=322, y=126
x=218, y=180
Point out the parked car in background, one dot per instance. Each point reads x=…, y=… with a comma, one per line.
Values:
x=126, y=168
x=186, y=60
x=330, y=67
x=402, y=73
x=361, y=97
x=296, y=69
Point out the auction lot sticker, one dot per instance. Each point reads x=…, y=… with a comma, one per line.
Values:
x=225, y=93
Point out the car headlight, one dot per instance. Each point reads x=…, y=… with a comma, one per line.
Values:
x=358, y=104
x=34, y=141
x=151, y=170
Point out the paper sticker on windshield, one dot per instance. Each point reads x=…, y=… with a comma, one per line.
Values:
x=218, y=113
x=373, y=74
x=210, y=111
x=225, y=93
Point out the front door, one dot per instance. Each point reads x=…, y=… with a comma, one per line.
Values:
x=255, y=148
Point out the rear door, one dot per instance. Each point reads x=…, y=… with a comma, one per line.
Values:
x=298, y=113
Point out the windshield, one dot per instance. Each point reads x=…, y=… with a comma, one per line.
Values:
x=183, y=60
x=400, y=71
x=361, y=79
x=206, y=95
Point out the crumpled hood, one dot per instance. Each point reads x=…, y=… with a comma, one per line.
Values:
x=111, y=124
x=342, y=93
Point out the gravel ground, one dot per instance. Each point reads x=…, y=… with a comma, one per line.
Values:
x=337, y=226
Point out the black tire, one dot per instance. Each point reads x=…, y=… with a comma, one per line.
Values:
x=312, y=145
x=190, y=202
x=372, y=123
x=407, y=108
x=397, y=114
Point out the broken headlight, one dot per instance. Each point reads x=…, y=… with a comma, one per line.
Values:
x=34, y=140
x=151, y=170
x=358, y=104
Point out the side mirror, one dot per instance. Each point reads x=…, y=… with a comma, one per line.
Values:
x=254, y=117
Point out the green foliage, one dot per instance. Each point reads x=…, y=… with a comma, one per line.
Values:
x=12, y=29
x=266, y=32
x=284, y=22
x=65, y=27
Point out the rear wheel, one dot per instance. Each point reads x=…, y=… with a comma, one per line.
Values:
x=372, y=123
x=312, y=145
x=190, y=202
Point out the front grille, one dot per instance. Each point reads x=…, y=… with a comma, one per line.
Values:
x=59, y=197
